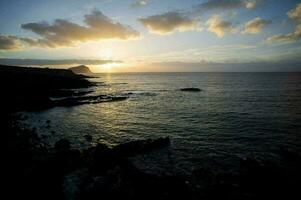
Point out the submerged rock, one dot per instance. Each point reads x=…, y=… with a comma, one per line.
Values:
x=191, y=89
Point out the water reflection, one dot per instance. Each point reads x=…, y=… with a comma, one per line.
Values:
x=235, y=115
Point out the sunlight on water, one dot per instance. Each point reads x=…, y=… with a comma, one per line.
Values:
x=236, y=115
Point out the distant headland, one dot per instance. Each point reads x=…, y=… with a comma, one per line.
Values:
x=82, y=69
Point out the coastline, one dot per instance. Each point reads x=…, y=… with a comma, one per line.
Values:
x=102, y=172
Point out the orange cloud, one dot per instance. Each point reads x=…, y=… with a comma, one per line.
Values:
x=256, y=25
x=219, y=27
x=62, y=33
x=290, y=37
x=295, y=14
x=65, y=33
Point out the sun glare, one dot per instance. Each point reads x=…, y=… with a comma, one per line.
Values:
x=107, y=68
x=106, y=54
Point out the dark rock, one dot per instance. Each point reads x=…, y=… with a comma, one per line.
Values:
x=72, y=183
x=31, y=172
x=88, y=137
x=67, y=93
x=291, y=156
x=125, y=181
x=102, y=157
x=62, y=145
x=191, y=89
x=34, y=86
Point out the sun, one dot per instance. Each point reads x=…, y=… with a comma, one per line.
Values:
x=107, y=67
x=106, y=54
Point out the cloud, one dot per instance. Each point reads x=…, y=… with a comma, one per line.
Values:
x=250, y=4
x=139, y=3
x=204, y=66
x=169, y=22
x=65, y=33
x=227, y=4
x=290, y=37
x=295, y=13
x=256, y=25
x=219, y=27
x=42, y=62
x=216, y=53
x=62, y=33
x=9, y=42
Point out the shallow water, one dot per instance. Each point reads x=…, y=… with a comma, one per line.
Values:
x=236, y=115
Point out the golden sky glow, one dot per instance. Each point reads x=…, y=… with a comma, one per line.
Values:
x=151, y=35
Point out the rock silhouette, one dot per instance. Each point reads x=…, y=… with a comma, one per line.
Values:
x=82, y=69
x=191, y=89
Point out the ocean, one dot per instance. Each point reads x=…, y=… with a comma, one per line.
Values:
x=235, y=116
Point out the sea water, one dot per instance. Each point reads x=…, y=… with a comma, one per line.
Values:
x=236, y=115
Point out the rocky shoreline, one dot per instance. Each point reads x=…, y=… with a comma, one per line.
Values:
x=33, y=170
x=34, y=88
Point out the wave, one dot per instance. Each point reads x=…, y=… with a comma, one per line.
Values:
x=141, y=93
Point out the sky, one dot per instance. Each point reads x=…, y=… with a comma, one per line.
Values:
x=153, y=35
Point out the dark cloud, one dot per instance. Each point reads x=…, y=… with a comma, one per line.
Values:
x=169, y=22
x=65, y=33
x=42, y=62
x=9, y=42
x=62, y=33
